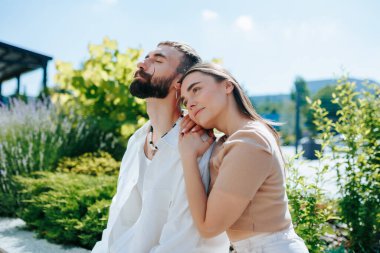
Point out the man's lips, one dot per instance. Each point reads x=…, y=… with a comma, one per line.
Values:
x=198, y=111
x=142, y=75
x=137, y=75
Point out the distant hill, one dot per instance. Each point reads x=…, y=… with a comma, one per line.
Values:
x=270, y=98
x=314, y=87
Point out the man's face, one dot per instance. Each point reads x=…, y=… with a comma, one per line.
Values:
x=156, y=73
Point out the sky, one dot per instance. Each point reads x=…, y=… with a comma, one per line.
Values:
x=265, y=44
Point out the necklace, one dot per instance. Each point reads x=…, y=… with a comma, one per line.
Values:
x=151, y=143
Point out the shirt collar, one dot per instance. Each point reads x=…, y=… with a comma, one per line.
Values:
x=171, y=138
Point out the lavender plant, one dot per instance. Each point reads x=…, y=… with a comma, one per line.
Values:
x=33, y=137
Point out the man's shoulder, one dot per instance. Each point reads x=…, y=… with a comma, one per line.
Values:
x=141, y=132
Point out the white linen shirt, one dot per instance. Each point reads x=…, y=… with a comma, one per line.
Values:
x=159, y=221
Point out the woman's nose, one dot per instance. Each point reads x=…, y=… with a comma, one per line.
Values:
x=191, y=106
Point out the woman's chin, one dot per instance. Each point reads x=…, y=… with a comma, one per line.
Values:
x=204, y=124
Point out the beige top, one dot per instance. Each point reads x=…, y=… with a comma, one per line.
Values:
x=249, y=165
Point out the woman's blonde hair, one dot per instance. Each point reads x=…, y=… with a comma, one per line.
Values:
x=244, y=104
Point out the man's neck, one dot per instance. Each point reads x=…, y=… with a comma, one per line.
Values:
x=162, y=113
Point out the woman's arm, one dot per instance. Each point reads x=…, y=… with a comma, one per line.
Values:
x=216, y=214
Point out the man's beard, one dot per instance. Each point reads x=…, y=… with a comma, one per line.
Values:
x=150, y=87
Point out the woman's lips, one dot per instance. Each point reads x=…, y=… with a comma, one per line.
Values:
x=197, y=112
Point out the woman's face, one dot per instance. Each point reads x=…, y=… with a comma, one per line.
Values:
x=204, y=98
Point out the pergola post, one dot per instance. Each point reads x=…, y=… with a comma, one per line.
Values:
x=18, y=85
x=1, y=93
x=44, y=77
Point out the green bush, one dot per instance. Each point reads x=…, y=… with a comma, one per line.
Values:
x=67, y=208
x=98, y=163
x=354, y=141
x=34, y=136
x=309, y=206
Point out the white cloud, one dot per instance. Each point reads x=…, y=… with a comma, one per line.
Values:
x=244, y=23
x=209, y=15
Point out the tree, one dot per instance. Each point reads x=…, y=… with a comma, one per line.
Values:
x=325, y=96
x=299, y=94
x=99, y=90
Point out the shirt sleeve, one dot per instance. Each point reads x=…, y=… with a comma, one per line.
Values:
x=102, y=246
x=244, y=164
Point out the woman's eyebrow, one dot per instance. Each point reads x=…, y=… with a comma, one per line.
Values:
x=191, y=86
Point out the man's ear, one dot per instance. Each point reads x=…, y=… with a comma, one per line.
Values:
x=228, y=86
x=177, y=85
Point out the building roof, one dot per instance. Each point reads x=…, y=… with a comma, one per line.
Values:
x=15, y=61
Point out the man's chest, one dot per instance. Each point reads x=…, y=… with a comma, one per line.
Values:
x=160, y=179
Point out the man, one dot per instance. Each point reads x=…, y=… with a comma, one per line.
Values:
x=150, y=212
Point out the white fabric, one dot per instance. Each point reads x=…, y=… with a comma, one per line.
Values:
x=286, y=241
x=144, y=162
x=161, y=222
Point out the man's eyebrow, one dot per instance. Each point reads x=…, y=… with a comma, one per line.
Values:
x=191, y=86
x=159, y=55
x=156, y=55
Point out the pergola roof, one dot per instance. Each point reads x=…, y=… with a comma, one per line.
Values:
x=15, y=61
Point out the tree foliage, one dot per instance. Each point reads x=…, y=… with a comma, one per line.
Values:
x=100, y=87
x=325, y=96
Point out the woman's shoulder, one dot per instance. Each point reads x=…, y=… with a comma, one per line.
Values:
x=253, y=135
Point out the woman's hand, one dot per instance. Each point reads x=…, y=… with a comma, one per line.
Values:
x=188, y=125
x=192, y=144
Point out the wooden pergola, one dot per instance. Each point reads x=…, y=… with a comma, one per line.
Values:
x=15, y=61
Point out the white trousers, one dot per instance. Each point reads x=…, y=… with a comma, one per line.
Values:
x=286, y=241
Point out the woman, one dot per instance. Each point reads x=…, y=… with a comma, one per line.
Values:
x=248, y=196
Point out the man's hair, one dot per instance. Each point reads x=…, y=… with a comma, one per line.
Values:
x=190, y=56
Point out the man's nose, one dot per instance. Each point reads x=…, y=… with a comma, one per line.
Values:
x=145, y=64
x=142, y=65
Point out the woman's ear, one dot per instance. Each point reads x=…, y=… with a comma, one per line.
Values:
x=228, y=86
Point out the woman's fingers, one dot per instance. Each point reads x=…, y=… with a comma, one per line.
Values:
x=196, y=128
x=210, y=132
x=188, y=125
x=185, y=121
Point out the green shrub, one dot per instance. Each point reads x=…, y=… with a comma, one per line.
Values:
x=34, y=136
x=98, y=163
x=354, y=141
x=67, y=208
x=309, y=206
